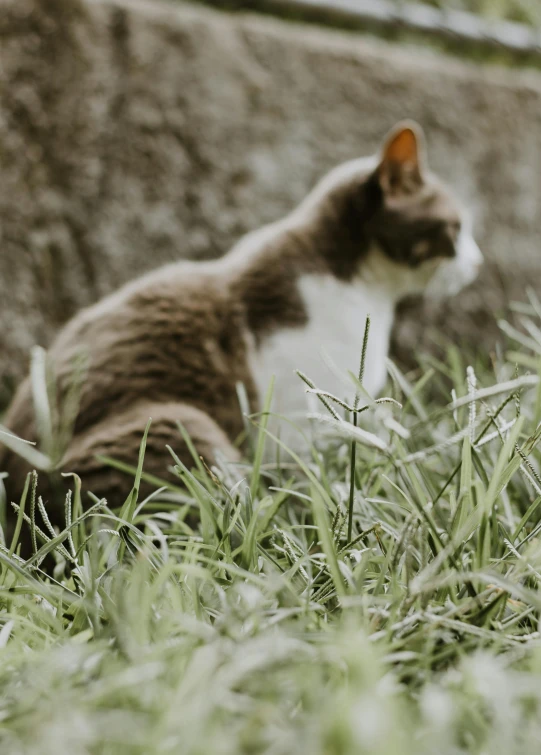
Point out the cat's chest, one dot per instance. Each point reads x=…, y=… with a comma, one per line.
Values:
x=328, y=345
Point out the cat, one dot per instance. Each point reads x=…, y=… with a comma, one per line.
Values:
x=174, y=344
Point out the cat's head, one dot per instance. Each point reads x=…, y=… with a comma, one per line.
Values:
x=409, y=228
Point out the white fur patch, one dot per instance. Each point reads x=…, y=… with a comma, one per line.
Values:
x=330, y=344
x=325, y=349
x=454, y=274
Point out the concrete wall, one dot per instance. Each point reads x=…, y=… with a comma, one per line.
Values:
x=135, y=133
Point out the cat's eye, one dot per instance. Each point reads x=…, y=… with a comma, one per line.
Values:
x=421, y=249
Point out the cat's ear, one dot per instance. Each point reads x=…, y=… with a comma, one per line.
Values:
x=402, y=162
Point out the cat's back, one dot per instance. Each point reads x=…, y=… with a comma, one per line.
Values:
x=156, y=303
x=157, y=337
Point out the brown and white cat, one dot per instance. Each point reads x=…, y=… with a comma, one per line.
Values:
x=174, y=344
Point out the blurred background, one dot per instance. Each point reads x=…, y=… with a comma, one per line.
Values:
x=134, y=132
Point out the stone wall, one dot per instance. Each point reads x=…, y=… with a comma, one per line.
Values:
x=135, y=133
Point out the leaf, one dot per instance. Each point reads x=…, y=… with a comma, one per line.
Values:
x=345, y=430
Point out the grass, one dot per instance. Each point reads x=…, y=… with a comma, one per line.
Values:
x=267, y=628
x=523, y=11
x=481, y=52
